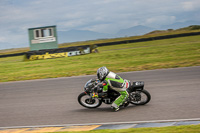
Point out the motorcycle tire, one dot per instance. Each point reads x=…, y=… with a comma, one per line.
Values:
x=88, y=102
x=138, y=97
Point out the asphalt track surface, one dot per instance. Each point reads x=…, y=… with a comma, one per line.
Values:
x=175, y=95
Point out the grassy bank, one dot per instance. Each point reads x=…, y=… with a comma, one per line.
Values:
x=171, y=129
x=168, y=53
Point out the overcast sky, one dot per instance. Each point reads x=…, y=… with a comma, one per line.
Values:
x=104, y=16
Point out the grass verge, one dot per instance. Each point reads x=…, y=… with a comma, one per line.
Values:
x=171, y=129
x=168, y=53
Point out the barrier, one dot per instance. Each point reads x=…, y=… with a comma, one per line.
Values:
x=10, y=55
x=57, y=53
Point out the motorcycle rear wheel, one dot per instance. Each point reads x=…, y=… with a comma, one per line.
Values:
x=88, y=102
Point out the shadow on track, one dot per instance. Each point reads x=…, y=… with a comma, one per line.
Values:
x=105, y=109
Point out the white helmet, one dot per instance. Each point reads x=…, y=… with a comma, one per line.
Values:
x=102, y=72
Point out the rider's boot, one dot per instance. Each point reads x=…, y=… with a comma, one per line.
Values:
x=115, y=107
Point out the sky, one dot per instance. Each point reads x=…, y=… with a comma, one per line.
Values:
x=103, y=16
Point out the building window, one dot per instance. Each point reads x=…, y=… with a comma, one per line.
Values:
x=50, y=32
x=37, y=33
x=43, y=33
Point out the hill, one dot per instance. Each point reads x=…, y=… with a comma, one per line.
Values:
x=170, y=31
x=135, y=31
x=79, y=35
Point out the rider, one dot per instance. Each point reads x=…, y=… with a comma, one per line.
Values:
x=111, y=80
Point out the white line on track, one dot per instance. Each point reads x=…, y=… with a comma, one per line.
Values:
x=108, y=123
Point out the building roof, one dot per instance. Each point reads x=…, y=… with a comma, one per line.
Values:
x=42, y=27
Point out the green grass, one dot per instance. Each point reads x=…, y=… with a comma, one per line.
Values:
x=171, y=129
x=168, y=53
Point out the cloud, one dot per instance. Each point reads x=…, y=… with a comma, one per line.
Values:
x=157, y=20
x=2, y=39
x=191, y=5
x=107, y=16
x=188, y=6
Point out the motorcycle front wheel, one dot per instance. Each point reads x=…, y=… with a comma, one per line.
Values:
x=140, y=97
x=88, y=102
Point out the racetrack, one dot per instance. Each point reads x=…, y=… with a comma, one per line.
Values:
x=175, y=95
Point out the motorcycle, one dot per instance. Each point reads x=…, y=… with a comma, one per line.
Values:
x=137, y=95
